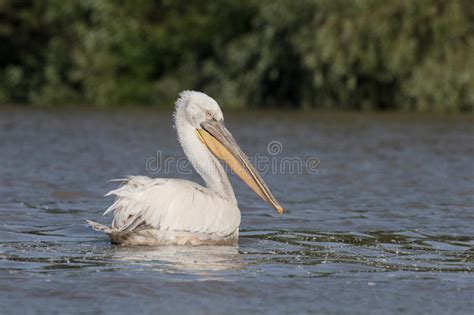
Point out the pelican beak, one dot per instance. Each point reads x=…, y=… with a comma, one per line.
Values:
x=223, y=145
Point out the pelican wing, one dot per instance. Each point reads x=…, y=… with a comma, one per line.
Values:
x=169, y=205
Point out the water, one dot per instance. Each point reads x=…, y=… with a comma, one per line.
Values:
x=383, y=224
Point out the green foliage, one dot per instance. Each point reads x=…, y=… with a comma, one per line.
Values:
x=342, y=54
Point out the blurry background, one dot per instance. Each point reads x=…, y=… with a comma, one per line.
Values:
x=365, y=54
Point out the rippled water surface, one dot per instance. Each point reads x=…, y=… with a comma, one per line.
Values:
x=383, y=224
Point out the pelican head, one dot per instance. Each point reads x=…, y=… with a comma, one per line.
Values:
x=205, y=116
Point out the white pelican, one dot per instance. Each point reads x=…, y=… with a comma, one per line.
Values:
x=162, y=211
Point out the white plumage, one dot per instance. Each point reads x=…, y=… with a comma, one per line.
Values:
x=163, y=211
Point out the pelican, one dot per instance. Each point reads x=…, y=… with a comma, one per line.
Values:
x=163, y=211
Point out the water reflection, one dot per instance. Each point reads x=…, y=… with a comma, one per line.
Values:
x=189, y=259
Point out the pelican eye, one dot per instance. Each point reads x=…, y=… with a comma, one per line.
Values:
x=208, y=115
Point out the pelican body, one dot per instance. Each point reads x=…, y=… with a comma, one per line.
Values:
x=162, y=211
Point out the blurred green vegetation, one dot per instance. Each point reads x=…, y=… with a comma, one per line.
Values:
x=341, y=54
